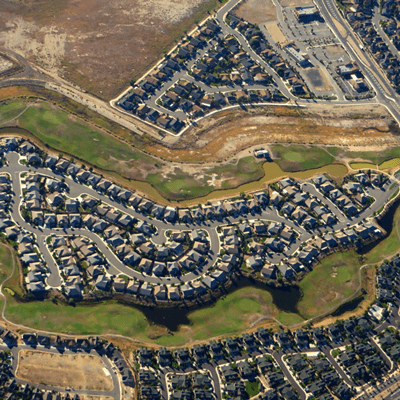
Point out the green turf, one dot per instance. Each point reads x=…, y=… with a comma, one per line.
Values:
x=60, y=131
x=387, y=247
x=299, y=158
x=333, y=280
x=293, y=156
x=252, y=388
x=179, y=185
x=10, y=110
x=85, y=320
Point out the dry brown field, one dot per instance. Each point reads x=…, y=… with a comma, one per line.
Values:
x=257, y=11
x=81, y=371
x=99, y=45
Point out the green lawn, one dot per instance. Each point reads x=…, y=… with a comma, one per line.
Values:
x=299, y=158
x=331, y=281
x=377, y=157
x=252, y=388
x=234, y=313
x=389, y=246
x=10, y=110
x=61, y=131
x=178, y=186
x=85, y=320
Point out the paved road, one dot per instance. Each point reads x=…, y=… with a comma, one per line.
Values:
x=278, y=358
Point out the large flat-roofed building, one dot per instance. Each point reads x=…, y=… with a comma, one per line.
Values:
x=300, y=59
x=305, y=14
x=348, y=69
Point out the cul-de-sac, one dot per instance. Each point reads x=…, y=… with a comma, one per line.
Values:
x=199, y=200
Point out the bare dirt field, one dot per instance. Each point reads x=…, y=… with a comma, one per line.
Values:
x=276, y=33
x=98, y=45
x=82, y=371
x=257, y=11
x=224, y=135
x=333, y=51
x=295, y=3
x=318, y=79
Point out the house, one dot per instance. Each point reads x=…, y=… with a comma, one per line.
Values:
x=54, y=199
x=283, y=339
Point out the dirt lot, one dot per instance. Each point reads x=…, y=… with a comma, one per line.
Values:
x=257, y=11
x=295, y=3
x=82, y=371
x=99, y=45
x=276, y=33
x=333, y=51
x=338, y=126
x=318, y=79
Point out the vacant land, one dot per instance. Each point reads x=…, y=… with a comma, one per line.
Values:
x=82, y=371
x=295, y=3
x=98, y=45
x=318, y=79
x=276, y=33
x=257, y=11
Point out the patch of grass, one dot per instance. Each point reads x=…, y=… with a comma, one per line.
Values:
x=388, y=246
x=289, y=319
x=375, y=157
x=99, y=319
x=252, y=388
x=394, y=162
x=63, y=132
x=10, y=110
x=362, y=165
x=178, y=186
x=331, y=281
x=300, y=158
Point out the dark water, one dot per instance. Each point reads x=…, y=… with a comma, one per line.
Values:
x=349, y=306
x=284, y=298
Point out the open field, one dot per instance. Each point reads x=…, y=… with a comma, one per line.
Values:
x=300, y=158
x=11, y=110
x=276, y=32
x=375, y=157
x=319, y=79
x=362, y=165
x=295, y=3
x=330, y=282
x=81, y=371
x=257, y=11
x=98, y=45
